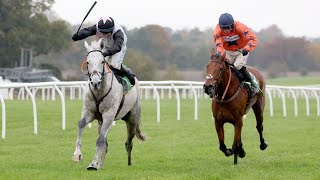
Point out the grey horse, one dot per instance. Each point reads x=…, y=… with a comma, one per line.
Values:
x=106, y=101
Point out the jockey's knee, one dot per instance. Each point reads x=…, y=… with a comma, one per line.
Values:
x=238, y=66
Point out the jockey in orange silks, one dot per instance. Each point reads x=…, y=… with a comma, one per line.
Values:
x=237, y=40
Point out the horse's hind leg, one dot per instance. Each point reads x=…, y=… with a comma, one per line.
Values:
x=133, y=129
x=86, y=118
x=258, y=112
x=220, y=133
x=130, y=135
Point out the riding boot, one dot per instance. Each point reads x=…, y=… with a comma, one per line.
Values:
x=128, y=73
x=248, y=78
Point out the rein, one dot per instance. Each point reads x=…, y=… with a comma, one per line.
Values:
x=103, y=70
x=228, y=100
x=225, y=91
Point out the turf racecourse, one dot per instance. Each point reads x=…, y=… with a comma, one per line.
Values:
x=185, y=149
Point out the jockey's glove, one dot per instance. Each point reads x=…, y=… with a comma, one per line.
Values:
x=75, y=37
x=106, y=53
x=244, y=52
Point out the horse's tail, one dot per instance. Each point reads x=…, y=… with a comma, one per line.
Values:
x=139, y=134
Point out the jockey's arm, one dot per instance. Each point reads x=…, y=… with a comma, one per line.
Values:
x=118, y=39
x=252, y=41
x=250, y=38
x=86, y=32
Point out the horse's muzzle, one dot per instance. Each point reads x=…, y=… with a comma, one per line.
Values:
x=208, y=89
x=95, y=81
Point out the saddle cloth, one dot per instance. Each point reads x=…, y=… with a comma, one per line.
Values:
x=122, y=79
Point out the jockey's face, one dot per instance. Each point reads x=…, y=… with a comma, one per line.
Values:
x=104, y=35
x=227, y=29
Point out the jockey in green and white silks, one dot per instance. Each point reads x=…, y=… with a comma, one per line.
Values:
x=114, y=36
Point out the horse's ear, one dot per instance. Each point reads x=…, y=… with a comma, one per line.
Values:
x=89, y=48
x=224, y=54
x=102, y=45
x=212, y=53
x=99, y=41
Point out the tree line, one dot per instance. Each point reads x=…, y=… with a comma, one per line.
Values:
x=31, y=24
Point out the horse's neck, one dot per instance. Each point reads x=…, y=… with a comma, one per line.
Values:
x=233, y=85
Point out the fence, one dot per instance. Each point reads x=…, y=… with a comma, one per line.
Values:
x=149, y=90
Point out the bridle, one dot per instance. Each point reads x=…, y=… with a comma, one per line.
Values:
x=217, y=80
x=100, y=74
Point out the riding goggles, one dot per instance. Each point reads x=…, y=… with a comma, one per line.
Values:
x=227, y=27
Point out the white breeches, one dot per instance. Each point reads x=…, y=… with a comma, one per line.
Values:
x=236, y=58
x=117, y=59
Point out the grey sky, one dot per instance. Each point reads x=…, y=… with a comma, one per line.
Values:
x=293, y=17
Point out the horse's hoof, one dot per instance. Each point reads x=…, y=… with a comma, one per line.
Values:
x=242, y=154
x=229, y=152
x=263, y=146
x=77, y=158
x=92, y=167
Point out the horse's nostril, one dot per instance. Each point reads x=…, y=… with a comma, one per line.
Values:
x=206, y=89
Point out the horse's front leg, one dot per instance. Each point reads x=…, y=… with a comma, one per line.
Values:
x=220, y=132
x=237, y=144
x=102, y=143
x=86, y=118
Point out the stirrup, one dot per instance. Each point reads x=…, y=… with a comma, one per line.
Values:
x=254, y=90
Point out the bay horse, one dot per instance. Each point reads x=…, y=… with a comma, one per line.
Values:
x=231, y=101
x=106, y=101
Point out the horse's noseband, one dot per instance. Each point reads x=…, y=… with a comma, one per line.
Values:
x=101, y=75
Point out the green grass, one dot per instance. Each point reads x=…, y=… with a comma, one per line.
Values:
x=294, y=81
x=185, y=149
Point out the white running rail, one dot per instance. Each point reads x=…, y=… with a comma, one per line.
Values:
x=149, y=90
